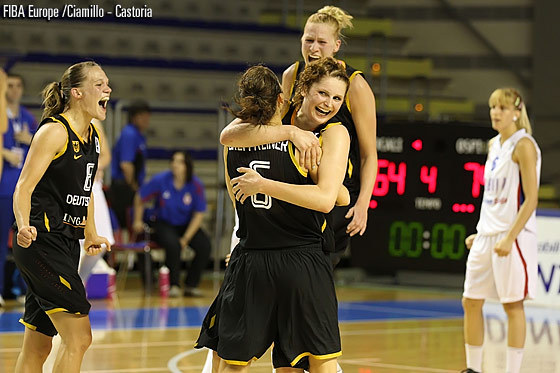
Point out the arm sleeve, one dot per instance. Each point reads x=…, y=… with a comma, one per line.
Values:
x=152, y=188
x=128, y=146
x=199, y=197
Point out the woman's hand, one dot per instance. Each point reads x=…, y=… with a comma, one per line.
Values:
x=359, y=215
x=94, y=245
x=26, y=235
x=503, y=247
x=246, y=185
x=469, y=241
x=309, y=148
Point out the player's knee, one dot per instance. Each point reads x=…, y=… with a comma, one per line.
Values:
x=39, y=351
x=472, y=304
x=78, y=342
x=514, y=308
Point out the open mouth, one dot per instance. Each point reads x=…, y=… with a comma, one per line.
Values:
x=103, y=103
x=322, y=112
x=312, y=58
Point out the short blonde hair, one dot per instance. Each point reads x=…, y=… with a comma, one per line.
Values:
x=334, y=16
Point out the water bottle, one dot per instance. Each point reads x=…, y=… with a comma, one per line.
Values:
x=163, y=281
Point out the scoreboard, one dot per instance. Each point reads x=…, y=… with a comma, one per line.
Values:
x=426, y=198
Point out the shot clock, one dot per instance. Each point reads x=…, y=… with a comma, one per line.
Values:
x=426, y=198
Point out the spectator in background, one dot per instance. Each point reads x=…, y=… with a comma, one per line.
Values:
x=21, y=124
x=179, y=210
x=128, y=164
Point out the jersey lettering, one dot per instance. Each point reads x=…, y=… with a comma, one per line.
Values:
x=89, y=174
x=265, y=203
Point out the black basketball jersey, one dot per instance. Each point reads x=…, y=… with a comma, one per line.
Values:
x=266, y=222
x=60, y=200
x=344, y=115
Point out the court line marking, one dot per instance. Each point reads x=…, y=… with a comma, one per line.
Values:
x=406, y=311
x=172, y=363
x=99, y=346
x=368, y=362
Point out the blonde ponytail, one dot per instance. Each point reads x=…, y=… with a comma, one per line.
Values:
x=56, y=95
x=53, y=102
x=523, y=120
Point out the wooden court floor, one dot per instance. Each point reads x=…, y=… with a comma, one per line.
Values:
x=383, y=329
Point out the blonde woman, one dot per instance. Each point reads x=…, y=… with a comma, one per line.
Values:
x=502, y=262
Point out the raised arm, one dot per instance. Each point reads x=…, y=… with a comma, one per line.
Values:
x=243, y=135
x=49, y=141
x=320, y=197
x=362, y=104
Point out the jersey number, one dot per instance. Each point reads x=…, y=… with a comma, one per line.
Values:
x=265, y=203
x=89, y=175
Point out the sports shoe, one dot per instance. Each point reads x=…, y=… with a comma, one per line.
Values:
x=469, y=370
x=174, y=291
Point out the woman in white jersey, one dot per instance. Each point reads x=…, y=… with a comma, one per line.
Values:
x=502, y=262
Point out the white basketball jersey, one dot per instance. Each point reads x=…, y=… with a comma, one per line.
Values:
x=503, y=191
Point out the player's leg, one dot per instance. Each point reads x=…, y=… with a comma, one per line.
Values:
x=36, y=347
x=322, y=365
x=75, y=333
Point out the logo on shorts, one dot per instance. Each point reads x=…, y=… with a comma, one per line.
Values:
x=76, y=146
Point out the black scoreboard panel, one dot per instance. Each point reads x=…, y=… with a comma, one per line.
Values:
x=426, y=197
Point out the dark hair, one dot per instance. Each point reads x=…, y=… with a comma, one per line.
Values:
x=258, y=90
x=314, y=72
x=56, y=95
x=137, y=107
x=188, y=163
x=17, y=76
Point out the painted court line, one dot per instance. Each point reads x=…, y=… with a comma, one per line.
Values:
x=369, y=362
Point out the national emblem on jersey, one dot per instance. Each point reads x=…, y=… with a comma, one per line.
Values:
x=187, y=199
x=76, y=146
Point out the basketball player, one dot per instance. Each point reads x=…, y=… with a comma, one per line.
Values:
x=322, y=38
x=280, y=253
x=52, y=203
x=502, y=262
x=3, y=118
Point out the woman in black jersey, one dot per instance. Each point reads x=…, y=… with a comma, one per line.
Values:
x=322, y=38
x=279, y=286
x=53, y=210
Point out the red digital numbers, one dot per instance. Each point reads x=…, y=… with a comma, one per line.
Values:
x=429, y=176
x=478, y=177
x=383, y=180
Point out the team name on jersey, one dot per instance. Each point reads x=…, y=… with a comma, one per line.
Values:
x=75, y=200
x=74, y=220
x=280, y=146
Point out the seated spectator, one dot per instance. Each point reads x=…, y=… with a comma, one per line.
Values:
x=179, y=210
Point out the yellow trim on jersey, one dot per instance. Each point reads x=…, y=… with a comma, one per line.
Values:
x=241, y=363
x=294, y=160
x=350, y=78
x=75, y=226
x=296, y=68
x=350, y=168
x=320, y=357
x=289, y=97
x=32, y=327
x=326, y=128
x=212, y=321
x=56, y=310
x=64, y=282
x=76, y=133
x=65, y=145
x=324, y=225
x=47, y=225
